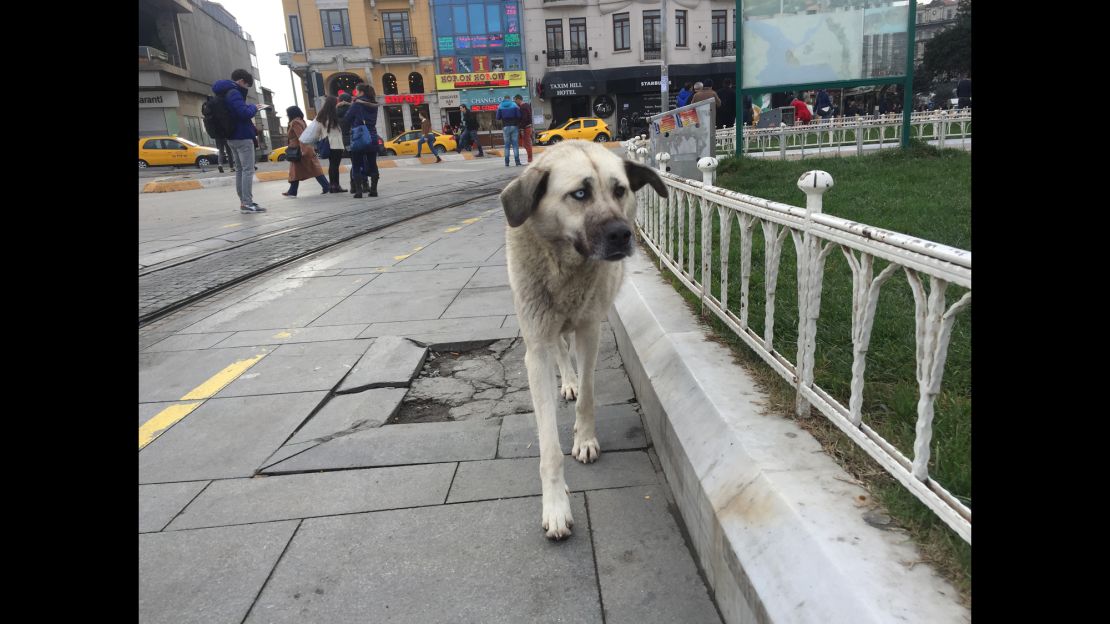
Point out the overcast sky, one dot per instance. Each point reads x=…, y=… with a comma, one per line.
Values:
x=264, y=20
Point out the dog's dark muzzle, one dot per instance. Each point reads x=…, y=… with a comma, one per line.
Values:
x=616, y=240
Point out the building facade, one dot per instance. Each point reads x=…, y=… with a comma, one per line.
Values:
x=335, y=44
x=603, y=58
x=185, y=46
x=932, y=19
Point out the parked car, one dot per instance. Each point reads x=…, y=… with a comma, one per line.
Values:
x=585, y=128
x=405, y=143
x=174, y=150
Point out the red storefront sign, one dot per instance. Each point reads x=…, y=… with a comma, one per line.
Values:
x=415, y=99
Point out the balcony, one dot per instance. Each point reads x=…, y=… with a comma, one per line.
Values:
x=652, y=51
x=149, y=54
x=724, y=48
x=558, y=58
x=397, y=47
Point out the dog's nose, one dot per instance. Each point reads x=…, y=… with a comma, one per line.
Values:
x=617, y=233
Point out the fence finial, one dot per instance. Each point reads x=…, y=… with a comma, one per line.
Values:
x=708, y=166
x=814, y=183
x=663, y=158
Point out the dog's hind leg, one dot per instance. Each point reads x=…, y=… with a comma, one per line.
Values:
x=569, y=389
x=557, y=519
x=586, y=448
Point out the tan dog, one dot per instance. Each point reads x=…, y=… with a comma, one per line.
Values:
x=570, y=220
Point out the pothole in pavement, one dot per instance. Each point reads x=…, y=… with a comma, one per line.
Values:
x=485, y=382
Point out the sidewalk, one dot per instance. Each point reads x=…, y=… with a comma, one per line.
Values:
x=351, y=439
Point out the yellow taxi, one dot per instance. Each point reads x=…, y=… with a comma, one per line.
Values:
x=405, y=144
x=278, y=154
x=585, y=128
x=174, y=150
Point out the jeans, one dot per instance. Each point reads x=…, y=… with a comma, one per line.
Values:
x=243, y=151
x=470, y=137
x=334, y=158
x=511, y=133
x=430, y=139
x=293, y=186
x=365, y=164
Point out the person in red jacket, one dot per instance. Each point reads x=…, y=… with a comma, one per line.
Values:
x=801, y=111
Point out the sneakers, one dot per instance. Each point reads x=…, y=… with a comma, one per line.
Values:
x=251, y=209
x=220, y=167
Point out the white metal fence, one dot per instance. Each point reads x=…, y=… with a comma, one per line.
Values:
x=674, y=227
x=845, y=134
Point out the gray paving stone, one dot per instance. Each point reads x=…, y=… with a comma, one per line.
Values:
x=208, y=575
x=285, y=497
x=171, y=375
x=187, y=342
x=482, y=302
x=643, y=563
x=456, y=249
x=392, y=361
x=488, y=277
x=159, y=503
x=450, y=341
x=276, y=315
x=511, y=322
x=225, y=438
x=505, y=478
x=387, y=307
x=298, y=368
x=475, y=562
x=392, y=445
x=316, y=287
x=612, y=387
x=618, y=428
x=351, y=412
x=445, y=279
x=466, y=328
x=294, y=335
x=289, y=450
x=148, y=338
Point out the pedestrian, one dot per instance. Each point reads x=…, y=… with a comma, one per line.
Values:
x=426, y=136
x=963, y=92
x=364, y=163
x=240, y=141
x=509, y=114
x=329, y=119
x=823, y=105
x=705, y=92
x=525, y=125
x=726, y=114
x=345, y=126
x=801, y=111
x=308, y=166
x=748, y=113
x=685, y=94
x=470, y=131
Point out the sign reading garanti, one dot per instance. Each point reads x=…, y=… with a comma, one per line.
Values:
x=447, y=82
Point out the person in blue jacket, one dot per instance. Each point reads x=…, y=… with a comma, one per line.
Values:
x=685, y=94
x=241, y=140
x=823, y=105
x=364, y=111
x=509, y=114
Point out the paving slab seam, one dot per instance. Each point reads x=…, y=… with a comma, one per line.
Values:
x=450, y=485
x=687, y=540
x=277, y=562
x=184, y=507
x=593, y=556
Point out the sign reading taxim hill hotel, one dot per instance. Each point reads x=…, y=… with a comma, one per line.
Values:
x=480, y=79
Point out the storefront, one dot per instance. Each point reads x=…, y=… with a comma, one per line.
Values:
x=485, y=102
x=570, y=94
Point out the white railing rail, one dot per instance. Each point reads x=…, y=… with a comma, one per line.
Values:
x=947, y=128
x=667, y=227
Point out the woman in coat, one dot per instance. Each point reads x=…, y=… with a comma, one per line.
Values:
x=364, y=163
x=329, y=118
x=309, y=165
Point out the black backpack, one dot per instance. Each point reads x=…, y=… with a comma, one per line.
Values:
x=217, y=117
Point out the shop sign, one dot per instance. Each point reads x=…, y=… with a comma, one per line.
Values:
x=447, y=82
x=448, y=99
x=158, y=99
x=415, y=99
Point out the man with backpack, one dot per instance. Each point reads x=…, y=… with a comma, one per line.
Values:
x=228, y=116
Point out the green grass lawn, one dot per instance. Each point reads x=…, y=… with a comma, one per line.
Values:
x=923, y=192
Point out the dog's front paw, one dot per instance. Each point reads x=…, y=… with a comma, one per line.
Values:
x=569, y=389
x=585, y=450
x=557, y=519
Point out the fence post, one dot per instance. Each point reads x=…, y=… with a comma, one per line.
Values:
x=943, y=129
x=859, y=136
x=708, y=166
x=662, y=158
x=811, y=264
x=782, y=141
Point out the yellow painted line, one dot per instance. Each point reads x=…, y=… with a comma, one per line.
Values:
x=418, y=248
x=218, y=381
x=452, y=229
x=283, y=334
x=401, y=257
x=164, y=420
x=270, y=176
x=386, y=164
x=474, y=220
x=227, y=225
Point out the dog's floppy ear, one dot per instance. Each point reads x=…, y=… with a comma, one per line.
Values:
x=521, y=197
x=639, y=175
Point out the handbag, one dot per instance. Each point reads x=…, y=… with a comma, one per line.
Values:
x=293, y=154
x=360, y=138
x=313, y=133
x=323, y=148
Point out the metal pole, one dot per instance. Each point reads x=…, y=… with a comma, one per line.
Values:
x=293, y=84
x=907, y=90
x=664, y=79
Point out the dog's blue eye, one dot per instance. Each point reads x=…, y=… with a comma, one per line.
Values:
x=579, y=194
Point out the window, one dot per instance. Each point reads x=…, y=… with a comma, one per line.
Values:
x=337, y=31
x=416, y=83
x=408, y=136
x=389, y=84
x=493, y=18
x=153, y=144
x=578, y=35
x=622, y=37
x=477, y=19
x=590, y=123
x=444, y=27
x=295, y=33
x=720, y=26
x=554, y=36
x=574, y=126
x=680, y=29
x=653, y=35
x=396, y=25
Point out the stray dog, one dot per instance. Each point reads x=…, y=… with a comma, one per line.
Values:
x=570, y=220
